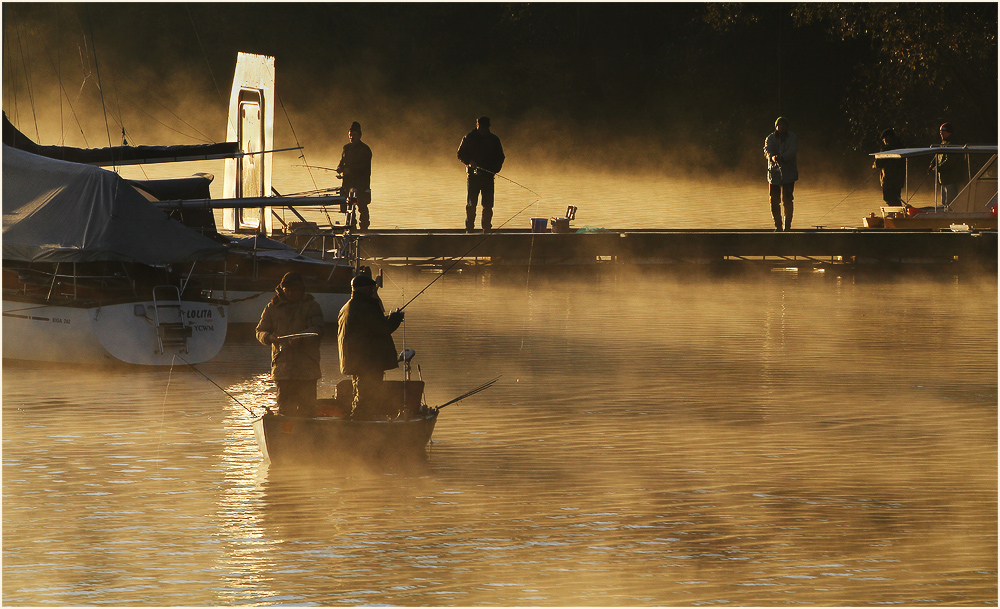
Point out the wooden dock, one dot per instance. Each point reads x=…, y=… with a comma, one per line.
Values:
x=692, y=247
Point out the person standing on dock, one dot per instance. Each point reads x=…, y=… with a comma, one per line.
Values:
x=780, y=149
x=364, y=337
x=292, y=324
x=892, y=172
x=949, y=168
x=482, y=154
x=356, y=170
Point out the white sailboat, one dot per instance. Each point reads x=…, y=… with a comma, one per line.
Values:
x=88, y=271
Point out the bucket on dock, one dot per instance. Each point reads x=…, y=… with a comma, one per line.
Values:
x=560, y=225
x=538, y=225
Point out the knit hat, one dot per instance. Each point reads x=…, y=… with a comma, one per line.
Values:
x=779, y=120
x=947, y=127
x=292, y=279
x=355, y=126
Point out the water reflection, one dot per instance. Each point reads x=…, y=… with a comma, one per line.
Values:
x=654, y=439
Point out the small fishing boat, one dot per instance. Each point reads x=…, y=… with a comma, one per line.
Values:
x=399, y=432
x=403, y=432
x=975, y=206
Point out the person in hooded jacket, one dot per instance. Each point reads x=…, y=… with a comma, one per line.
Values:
x=295, y=365
x=780, y=149
x=367, y=350
x=892, y=172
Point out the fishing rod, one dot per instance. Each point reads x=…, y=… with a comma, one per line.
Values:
x=485, y=237
x=482, y=387
x=458, y=259
x=497, y=174
x=849, y=195
x=315, y=167
x=192, y=366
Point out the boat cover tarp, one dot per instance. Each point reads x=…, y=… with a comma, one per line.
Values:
x=118, y=155
x=56, y=211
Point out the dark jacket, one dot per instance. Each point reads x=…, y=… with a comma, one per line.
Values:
x=356, y=167
x=281, y=317
x=485, y=150
x=892, y=171
x=950, y=167
x=365, y=336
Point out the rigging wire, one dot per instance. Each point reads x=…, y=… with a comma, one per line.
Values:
x=302, y=154
x=204, y=54
x=97, y=68
x=27, y=80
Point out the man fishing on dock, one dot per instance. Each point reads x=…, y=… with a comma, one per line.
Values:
x=292, y=324
x=364, y=336
x=483, y=156
x=356, y=170
x=780, y=149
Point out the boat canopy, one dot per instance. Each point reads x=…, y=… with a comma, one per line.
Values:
x=905, y=153
x=57, y=211
x=120, y=155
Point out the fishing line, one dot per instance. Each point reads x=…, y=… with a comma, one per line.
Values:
x=848, y=196
x=924, y=179
x=163, y=406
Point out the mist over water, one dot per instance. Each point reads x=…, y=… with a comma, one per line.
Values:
x=654, y=439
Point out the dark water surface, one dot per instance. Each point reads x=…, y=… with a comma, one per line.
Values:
x=654, y=439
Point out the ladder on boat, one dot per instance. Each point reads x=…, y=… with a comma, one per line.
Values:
x=171, y=332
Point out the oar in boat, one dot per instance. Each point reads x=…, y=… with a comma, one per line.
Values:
x=482, y=387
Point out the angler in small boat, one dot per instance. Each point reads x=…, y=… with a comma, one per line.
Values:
x=292, y=324
x=367, y=350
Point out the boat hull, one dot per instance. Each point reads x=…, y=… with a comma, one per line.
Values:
x=289, y=440
x=108, y=334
